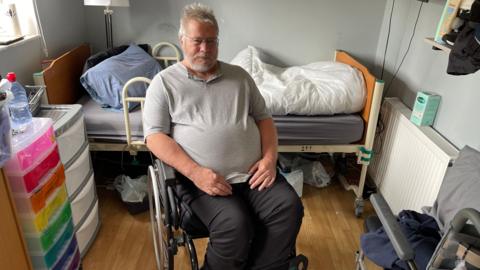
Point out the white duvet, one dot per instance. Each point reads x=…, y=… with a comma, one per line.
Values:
x=317, y=88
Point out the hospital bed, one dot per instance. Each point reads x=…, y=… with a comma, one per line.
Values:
x=114, y=131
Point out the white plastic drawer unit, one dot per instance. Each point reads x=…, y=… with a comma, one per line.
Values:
x=88, y=230
x=82, y=203
x=69, y=129
x=78, y=173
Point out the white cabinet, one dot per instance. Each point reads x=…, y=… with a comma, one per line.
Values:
x=73, y=146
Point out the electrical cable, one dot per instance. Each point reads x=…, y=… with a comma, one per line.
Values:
x=388, y=38
x=406, y=52
x=379, y=141
x=380, y=125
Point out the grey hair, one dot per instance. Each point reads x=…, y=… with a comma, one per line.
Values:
x=198, y=12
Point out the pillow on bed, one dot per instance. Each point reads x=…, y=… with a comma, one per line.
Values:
x=104, y=82
x=460, y=188
x=97, y=58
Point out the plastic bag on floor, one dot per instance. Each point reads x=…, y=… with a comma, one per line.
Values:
x=314, y=173
x=131, y=190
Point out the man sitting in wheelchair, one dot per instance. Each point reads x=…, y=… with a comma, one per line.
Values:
x=207, y=119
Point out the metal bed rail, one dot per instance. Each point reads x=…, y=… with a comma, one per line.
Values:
x=133, y=146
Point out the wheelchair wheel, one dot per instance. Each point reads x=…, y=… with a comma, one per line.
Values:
x=192, y=252
x=159, y=219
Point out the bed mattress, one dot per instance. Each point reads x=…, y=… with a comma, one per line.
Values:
x=325, y=130
x=108, y=126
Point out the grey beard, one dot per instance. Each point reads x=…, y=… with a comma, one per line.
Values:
x=201, y=68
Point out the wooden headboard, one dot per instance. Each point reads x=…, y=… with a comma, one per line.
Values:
x=62, y=77
x=371, y=110
x=344, y=57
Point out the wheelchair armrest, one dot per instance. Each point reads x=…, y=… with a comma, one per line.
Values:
x=167, y=182
x=167, y=172
x=395, y=234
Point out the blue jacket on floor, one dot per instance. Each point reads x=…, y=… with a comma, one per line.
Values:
x=422, y=232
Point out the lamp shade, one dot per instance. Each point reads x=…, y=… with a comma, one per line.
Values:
x=107, y=3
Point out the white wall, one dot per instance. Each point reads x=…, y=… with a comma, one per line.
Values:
x=63, y=22
x=22, y=58
x=425, y=69
x=290, y=32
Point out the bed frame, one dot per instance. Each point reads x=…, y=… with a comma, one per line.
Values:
x=363, y=148
x=63, y=87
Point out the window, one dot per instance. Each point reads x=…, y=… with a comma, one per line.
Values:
x=17, y=17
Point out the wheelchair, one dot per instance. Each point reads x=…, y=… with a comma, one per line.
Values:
x=461, y=241
x=174, y=224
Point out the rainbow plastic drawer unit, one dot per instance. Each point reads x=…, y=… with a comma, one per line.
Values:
x=37, y=177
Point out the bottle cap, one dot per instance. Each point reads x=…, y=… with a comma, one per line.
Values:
x=11, y=77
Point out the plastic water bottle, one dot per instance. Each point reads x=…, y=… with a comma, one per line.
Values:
x=20, y=115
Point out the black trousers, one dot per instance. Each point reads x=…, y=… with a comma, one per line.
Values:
x=250, y=229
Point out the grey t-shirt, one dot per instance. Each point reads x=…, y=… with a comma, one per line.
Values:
x=213, y=121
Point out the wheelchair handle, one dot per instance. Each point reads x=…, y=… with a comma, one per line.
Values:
x=463, y=216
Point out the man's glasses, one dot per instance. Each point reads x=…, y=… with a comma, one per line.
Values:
x=199, y=41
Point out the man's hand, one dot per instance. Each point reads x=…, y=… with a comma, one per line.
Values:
x=264, y=174
x=210, y=182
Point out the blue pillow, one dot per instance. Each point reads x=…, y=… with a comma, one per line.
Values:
x=104, y=82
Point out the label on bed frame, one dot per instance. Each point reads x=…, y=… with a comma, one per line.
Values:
x=364, y=155
x=306, y=148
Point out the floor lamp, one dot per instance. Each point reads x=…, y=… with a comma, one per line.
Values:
x=108, y=14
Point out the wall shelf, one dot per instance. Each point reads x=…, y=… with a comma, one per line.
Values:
x=444, y=47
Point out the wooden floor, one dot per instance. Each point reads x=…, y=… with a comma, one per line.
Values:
x=329, y=235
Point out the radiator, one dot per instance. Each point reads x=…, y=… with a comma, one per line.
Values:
x=409, y=162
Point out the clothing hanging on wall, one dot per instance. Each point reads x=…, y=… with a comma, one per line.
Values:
x=465, y=56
